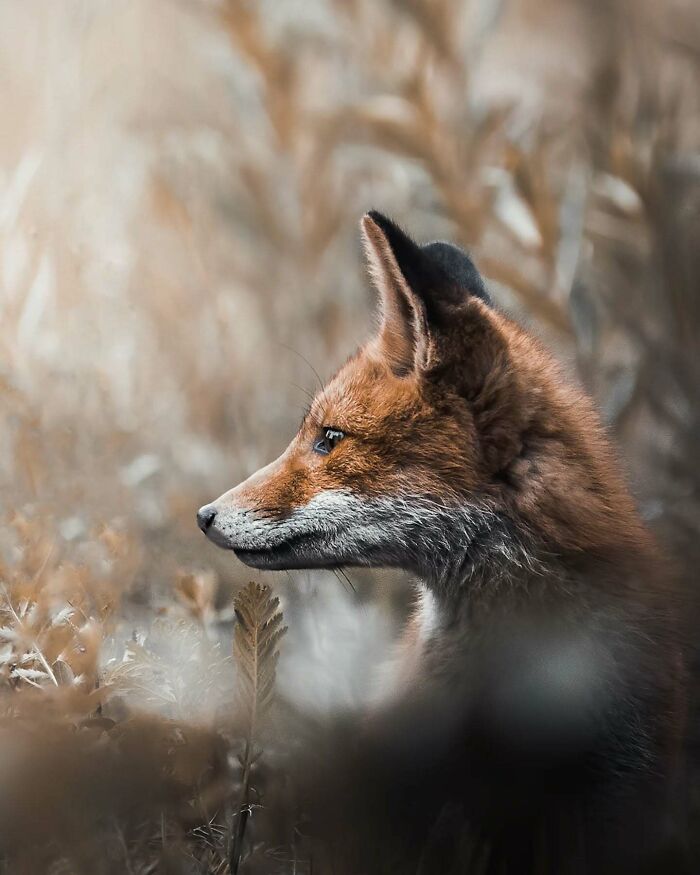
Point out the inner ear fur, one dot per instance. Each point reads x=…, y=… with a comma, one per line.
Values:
x=403, y=333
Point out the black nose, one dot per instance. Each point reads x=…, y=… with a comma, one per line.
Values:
x=205, y=517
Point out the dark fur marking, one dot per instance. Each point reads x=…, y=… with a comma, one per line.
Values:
x=459, y=267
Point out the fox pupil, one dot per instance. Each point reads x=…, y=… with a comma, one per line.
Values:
x=331, y=436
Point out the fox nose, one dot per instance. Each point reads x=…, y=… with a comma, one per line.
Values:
x=205, y=517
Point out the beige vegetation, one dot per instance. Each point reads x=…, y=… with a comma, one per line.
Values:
x=180, y=187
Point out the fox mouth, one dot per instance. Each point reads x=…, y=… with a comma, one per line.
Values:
x=282, y=557
x=272, y=559
x=296, y=552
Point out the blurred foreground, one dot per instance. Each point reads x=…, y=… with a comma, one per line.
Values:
x=180, y=185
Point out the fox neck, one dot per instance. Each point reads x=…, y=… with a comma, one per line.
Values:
x=478, y=546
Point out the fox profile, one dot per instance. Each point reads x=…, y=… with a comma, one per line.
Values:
x=542, y=665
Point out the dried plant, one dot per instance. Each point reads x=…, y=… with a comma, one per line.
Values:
x=256, y=639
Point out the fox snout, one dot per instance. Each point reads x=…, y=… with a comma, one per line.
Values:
x=235, y=521
x=265, y=530
x=267, y=535
x=231, y=525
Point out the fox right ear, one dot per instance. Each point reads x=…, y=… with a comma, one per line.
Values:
x=395, y=261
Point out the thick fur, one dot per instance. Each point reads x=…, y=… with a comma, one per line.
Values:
x=537, y=700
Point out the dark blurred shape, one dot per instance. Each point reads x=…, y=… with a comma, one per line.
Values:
x=521, y=762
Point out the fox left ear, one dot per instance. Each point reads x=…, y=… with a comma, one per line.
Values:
x=418, y=285
x=433, y=323
x=394, y=260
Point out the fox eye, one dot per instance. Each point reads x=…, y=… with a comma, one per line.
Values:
x=329, y=438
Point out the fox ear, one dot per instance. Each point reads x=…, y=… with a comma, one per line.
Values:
x=403, y=275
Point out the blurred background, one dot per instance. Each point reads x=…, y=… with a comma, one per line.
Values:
x=180, y=188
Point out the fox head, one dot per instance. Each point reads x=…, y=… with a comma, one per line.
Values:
x=448, y=438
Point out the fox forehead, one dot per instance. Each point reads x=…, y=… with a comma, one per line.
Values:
x=363, y=395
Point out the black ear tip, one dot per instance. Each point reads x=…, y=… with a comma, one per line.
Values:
x=384, y=222
x=397, y=237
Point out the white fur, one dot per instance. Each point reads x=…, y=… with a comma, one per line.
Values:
x=427, y=614
x=326, y=514
x=400, y=672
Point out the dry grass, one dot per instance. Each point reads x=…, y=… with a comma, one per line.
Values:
x=180, y=184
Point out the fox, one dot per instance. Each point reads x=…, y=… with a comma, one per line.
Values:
x=537, y=696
